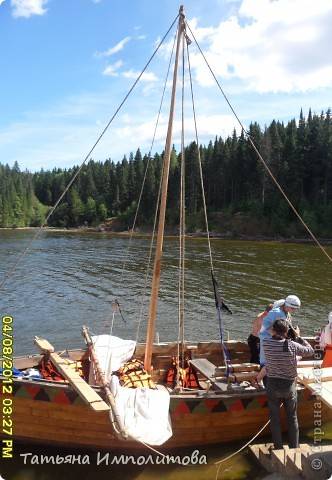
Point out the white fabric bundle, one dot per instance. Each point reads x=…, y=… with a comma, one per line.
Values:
x=326, y=335
x=112, y=353
x=144, y=412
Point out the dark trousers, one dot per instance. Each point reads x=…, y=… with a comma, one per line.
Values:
x=280, y=390
x=254, y=345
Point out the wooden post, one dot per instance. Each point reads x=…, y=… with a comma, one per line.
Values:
x=161, y=225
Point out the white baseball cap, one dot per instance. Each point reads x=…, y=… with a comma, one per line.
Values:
x=293, y=301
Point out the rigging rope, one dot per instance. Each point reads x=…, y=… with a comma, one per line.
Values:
x=138, y=207
x=218, y=464
x=199, y=159
x=12, y=270
x=158, y=198
x=182, y=232
x=159, y=194
x=219, y=303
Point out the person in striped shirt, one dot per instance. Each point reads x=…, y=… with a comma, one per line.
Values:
x=281, y=309
x=280, y=355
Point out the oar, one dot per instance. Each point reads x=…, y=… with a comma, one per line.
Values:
x=89, y=395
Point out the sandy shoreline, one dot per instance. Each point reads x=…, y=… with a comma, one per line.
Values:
x=172, y=233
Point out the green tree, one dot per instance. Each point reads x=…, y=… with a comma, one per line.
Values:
x=90, y=210
x=76, y=208
x=102, y=212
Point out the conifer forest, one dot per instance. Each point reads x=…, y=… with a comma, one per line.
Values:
x=236, y=183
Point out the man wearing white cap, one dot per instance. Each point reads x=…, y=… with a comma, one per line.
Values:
x=282, y=310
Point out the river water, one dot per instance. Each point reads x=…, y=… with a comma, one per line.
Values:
x=66, y=280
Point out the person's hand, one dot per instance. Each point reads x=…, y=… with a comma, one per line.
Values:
x=297, y=331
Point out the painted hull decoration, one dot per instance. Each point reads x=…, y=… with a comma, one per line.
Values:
x=45, y=411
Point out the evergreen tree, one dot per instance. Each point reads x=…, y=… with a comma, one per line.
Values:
x=235, y=180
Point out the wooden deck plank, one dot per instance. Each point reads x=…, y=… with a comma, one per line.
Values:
x=207, y=368
x=89, y=395
x=312, y=375
x=318, y=381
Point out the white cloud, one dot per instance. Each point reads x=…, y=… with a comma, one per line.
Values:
x=146, y=76
x=111, y=51
x=142, y=130
x=211, y=125
x=271, y=45
x=263, y=46
x=27, y=8
x=113, y=69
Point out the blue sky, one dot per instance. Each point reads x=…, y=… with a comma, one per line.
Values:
x=66, y=65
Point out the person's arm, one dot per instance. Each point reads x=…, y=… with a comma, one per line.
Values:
x=303, y=348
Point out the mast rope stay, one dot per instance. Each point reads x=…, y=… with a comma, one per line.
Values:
x=162, y=211
x=182, y=232
x=158, y=196
x=27, y=248
x=220, y=305
x=143, y=296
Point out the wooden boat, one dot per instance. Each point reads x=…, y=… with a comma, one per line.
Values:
x=45, y=411
x=73, y=413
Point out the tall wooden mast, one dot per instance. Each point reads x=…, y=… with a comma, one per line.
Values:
x=161, y=225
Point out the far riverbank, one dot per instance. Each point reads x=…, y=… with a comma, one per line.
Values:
x=173, y=233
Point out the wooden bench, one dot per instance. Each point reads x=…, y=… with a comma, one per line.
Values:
x=207, y=369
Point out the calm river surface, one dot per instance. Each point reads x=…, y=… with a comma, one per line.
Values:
x=68, y=279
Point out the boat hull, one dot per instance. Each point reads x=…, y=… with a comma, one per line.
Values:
x=53, y=413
